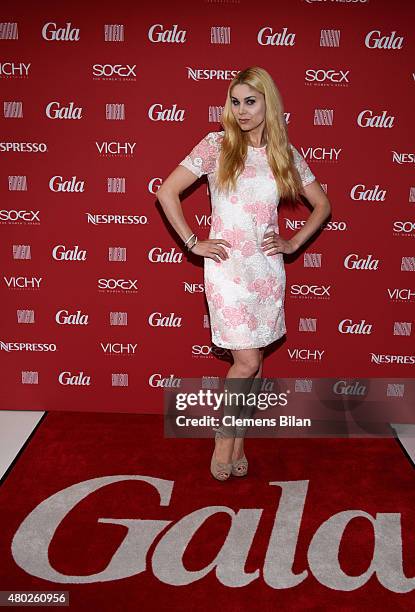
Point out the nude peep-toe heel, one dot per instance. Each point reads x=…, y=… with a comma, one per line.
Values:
x=220, y=471
x=240, y=467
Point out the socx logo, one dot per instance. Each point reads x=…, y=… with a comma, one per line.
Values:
x=117, y=284
x=321, y=76
x=124, y=71
x=406, y=228
x=203, y=350
x=311, y=290
x=18, y=216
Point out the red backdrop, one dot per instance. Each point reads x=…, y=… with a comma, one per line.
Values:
x=100, y=103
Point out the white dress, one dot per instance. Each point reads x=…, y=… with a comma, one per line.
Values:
x=246, y=292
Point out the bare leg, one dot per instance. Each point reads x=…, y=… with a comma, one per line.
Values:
x=238, y=448
x=247, y=362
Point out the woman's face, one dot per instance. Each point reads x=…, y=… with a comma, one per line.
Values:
x=248, y=106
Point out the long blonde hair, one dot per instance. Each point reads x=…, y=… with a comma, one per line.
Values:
x=235, y=141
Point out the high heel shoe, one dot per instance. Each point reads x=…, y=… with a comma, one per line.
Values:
x=240, y=467
x=220, y=471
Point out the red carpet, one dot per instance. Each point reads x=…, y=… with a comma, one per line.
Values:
x=373, y=478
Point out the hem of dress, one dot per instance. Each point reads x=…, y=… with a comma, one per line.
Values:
x=239, y=347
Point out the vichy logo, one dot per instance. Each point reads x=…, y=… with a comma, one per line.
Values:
x=368, y=119
x=157, y=113
x=374, y=194
x=51, y=31
x=157, y=34
x=157, y=255
x=69, y=379
x=354, y=262
x=109, y=70
x=62, y=317
x=13, y=69
x=375, y=40
x=401, y=294
x=20, y=215
x=156, y=319
x=322, y=76
x=58, y=184
x=266, y=36
x=172, y=538
x=205, y=220
x=55, y=111
x=305, y=354
x=61, y=253
x=346, y=326
x=157, y=380
x=315, y=290
x=321, y=153
x=116, y=148
x=117, y=283
x=23, y=282
x=116, y=348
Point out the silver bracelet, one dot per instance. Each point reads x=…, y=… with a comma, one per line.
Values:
x=194, y=244
x=190, y=237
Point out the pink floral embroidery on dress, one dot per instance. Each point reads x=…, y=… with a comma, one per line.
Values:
x=217, y=300
x=217, y=224
x=235, y=316
x=249, y=248
x=249, y=172
x=261, y=210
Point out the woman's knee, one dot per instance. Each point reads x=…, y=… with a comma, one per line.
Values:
x=247, y=362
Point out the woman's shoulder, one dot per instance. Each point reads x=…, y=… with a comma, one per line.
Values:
x=215, y=138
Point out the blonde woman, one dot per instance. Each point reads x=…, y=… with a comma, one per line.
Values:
x=250, y=165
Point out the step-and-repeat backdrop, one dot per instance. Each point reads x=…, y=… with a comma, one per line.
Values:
x=101, y=307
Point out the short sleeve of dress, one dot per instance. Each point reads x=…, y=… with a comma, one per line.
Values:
x=304, y=171
x=202, y=158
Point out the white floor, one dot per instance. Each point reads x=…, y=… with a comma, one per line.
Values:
x=15, y=428
x=17, y=425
